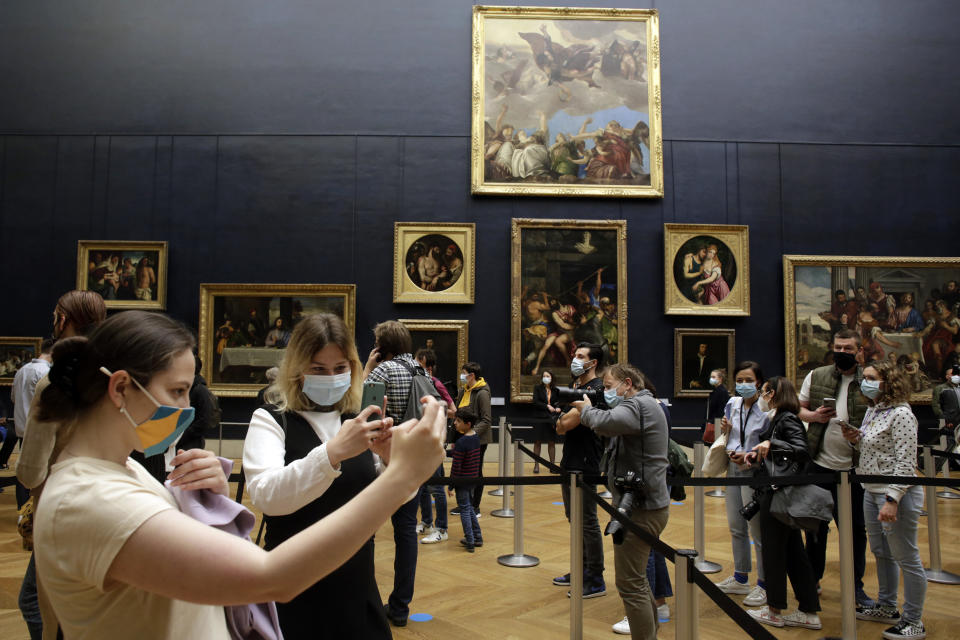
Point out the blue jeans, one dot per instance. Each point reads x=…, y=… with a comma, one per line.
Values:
x=28, y=602
x=658, y=576
x=439, y=496
x=895, y=546
x=468, y=517
x=740, y=530
x=405, y=557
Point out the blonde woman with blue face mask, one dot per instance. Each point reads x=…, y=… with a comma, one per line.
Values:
x=303, y=460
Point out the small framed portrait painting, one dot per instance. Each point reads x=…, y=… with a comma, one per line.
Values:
x=127, y=274
x=434, y=262
x=706, y=269
x=696, y=354
x=448, y=339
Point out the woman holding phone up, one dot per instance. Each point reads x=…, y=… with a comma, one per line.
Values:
x=303, y=459
x=743, y=422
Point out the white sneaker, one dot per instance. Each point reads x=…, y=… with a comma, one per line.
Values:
x=756, y=598
x=766, y=616
x=419, y=528
x=730, y=585
x=663, y=612
x=622, y=627
x=438, y=535
x=800, y=619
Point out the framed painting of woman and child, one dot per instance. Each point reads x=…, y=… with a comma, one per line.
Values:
x=707, y=269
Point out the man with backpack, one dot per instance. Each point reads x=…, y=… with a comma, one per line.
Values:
x=391, y=362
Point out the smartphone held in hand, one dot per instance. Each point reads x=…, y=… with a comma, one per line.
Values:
x=373, y=393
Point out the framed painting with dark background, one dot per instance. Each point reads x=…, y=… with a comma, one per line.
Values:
x=697, y=352
x=128, y=274
x=245, y=328
x=434, y=262
x=449, y=339
x=706, y=269
x=14, y=353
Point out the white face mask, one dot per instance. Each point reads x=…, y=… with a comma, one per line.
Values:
x=955, y=379
x=763, y=404
x=326, y=391
x=714, y=382
x=547, y=380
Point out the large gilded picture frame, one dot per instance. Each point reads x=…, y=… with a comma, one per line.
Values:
x=905, y=309
x=698, y=352
x=449, y=340
x=434, y=262
x=568, y=287
x=128, y=274
x=244, y=328
x=566, y=102
x=14, y=353
x=706, y=269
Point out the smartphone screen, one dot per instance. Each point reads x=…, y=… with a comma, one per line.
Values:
x=373, y=393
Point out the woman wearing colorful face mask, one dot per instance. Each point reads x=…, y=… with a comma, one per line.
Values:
x=303, y=460
x=888, y=444
x=743, y=422
x=109, y=537
x=547, y=411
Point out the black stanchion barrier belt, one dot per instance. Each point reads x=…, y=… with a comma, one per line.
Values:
x=549, y=465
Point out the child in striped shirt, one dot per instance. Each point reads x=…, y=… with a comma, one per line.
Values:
x=466, y=464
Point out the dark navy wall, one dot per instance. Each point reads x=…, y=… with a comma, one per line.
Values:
x=278, y=142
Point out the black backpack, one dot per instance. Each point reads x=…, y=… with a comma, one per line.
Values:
x=420, y=385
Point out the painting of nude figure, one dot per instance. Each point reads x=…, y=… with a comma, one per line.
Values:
x=433, y=262
x=566, y=102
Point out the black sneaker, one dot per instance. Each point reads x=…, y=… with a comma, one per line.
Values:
x=455, y=511
x=593, y=591
x=396, y=621
x=879, y=613
x=904, y=629
x=562, y=581
x=476, y=543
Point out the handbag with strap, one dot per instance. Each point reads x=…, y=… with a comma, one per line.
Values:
x=799, y=506
x=716, y=461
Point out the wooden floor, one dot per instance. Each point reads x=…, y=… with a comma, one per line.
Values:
x=473, y=597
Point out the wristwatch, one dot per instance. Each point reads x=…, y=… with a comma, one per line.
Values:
x=889, y=499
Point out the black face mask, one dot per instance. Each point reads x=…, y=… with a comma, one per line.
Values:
x=844, y=361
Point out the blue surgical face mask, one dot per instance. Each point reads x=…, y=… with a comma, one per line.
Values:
x=577, y=367
x=161, y=429
x=746, y=389
x=870, y=388
x=547, y=380
x=611, y=398
x=463, y=379
x=326, y=391
x=714, y=382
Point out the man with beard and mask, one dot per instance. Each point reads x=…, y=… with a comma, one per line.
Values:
x=830, y=451
x=581, y=452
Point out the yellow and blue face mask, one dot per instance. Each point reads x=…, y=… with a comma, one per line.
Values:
x=163, y=428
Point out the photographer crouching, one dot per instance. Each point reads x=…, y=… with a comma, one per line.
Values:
x=636, y=468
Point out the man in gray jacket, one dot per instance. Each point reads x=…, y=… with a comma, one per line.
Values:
x=637, y=430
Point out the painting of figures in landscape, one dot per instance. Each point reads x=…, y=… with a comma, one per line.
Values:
x=905, y=310
x=566, y=102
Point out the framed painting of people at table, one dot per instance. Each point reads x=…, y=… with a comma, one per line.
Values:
x=245, y=328
x=706, y=269
x=14, y=353
x=697, y=353
x=905, y=310
x=434, y=262
x=448, y=339
x=128, y=274
x=568, y=288
x=566, y=102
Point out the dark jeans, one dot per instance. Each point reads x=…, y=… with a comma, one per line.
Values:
x=817, y=545
x=658, y=576
x=405, y=557
x=8, y=443
x=439, y=496
x=468, y=517
x=478, y=490
x=592, y=538
x=28, y=602
x=783, y=557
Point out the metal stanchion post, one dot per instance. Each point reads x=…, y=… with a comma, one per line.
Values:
x=688, y=612
x=935, y=573
x=501, y=468
x=716, y=492
x=576, y=558
x=848, y=601
x=945, y=492
x=699, y=541
x=504, y=511
x=517, y=558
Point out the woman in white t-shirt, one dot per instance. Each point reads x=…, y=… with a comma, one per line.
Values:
x=113, y=552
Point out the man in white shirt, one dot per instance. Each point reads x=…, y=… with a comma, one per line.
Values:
x=22, y=392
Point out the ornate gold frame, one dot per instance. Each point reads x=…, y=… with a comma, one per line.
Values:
x=405, y=234
x=462, y=329
x=737, y=238
x=21, y=341
x=517, y=226
x=478, y=185
x=791, y=262
x=678, y=335
x=207, y=325
x=83, y=257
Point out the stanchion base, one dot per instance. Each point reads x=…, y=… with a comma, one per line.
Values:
x=705, y=566
x=606, y=495
x=495, y=492
x=502, y=513
x=514, y=560
x=950, y=495
x=716, y=493
x=941, y=577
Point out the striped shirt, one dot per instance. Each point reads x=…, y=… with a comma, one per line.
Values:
x=466, y=457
